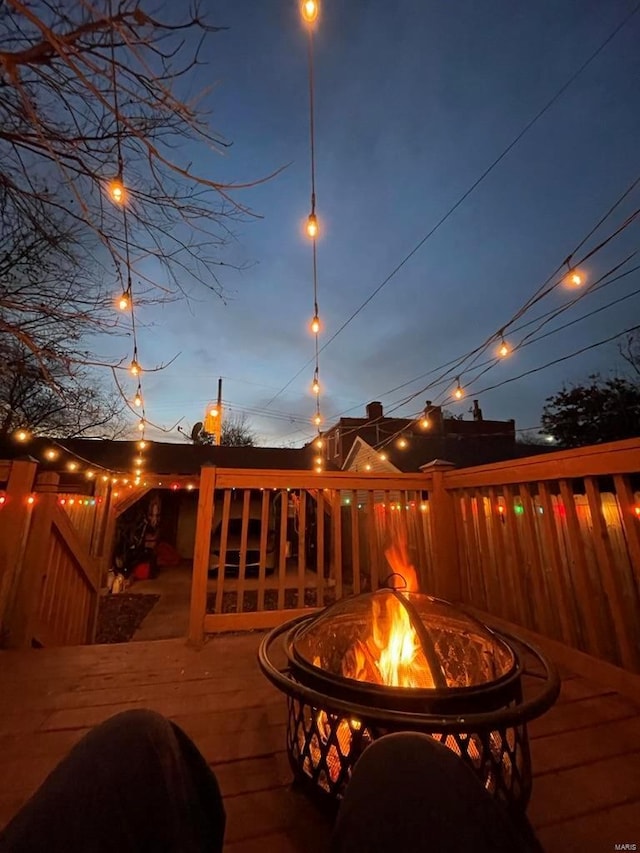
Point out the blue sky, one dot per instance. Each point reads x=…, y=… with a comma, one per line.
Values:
x=414, y=99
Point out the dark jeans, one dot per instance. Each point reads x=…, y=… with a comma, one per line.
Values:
x=138, y=783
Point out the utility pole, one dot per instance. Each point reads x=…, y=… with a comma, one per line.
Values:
x=213, y=416
x=218, y=432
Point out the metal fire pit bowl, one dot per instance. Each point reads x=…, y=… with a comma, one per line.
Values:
x=475, y=706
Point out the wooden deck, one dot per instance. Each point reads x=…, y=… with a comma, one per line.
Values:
x=586, y=750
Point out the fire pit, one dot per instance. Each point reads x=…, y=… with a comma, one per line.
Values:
x=394, y=660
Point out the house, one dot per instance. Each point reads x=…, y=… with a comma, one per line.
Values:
x=388, y=444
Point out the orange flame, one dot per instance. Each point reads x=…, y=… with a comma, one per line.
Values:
x=392, y=654
x=398, y=558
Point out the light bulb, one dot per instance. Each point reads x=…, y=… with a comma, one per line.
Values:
x=123, y=302
x=142, y=444
x=574, y=278
x=317, y=420
x=367, y=467
x=383, y=456
x=214, y=412
x=312, y=226
x=309, y=9
x=315, y=387
x=402, y=442
x=72, y=466
x=425, y=423
x=137, y=461
x=503, y=351
x=117, y=191
x=137, y=400
x=315, y=324
x=318, y=460
x=141, y=424
x=90, y=475
x=458, y=393
x=22, y=435
x=134, y=368
x=319, y=443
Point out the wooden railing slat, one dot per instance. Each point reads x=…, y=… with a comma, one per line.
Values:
x=302, y=546
x=621, y=616
x=282, y=560
x=264, y=534
x=579, y=574
x=355, y=542
x=244, y=533
x=201, y=554
x=556, y=572
x=224, y=539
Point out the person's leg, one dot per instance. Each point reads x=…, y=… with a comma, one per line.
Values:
x=410, y=793
x=134, y=783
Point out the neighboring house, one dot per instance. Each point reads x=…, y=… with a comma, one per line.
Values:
x=378, y=443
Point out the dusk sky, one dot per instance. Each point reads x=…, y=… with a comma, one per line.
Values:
x=414, y=100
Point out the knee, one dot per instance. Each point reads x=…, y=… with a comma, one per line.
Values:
x=133, y=728
x=405, y=748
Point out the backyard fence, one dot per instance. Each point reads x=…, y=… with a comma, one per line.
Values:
x=550, y=543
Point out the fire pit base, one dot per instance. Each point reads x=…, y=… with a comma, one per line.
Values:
x=323, y=748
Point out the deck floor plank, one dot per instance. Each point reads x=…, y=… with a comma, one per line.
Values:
x=585, y=751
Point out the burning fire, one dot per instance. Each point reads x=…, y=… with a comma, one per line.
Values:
x=392, y=655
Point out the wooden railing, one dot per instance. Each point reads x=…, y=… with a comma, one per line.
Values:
x=50, y=544
x=280, y=542
x=550, y=543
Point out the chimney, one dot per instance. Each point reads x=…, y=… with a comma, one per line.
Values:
x=374, y=410
x=477, y=411
x=434, y=413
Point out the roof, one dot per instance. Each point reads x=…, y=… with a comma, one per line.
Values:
x=160, y=457
x=462, y=451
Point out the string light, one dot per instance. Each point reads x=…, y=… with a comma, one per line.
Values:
x=318, y=460
x=312, y=226
x=310, y=10
x=402, y=443
x=315, y=385
x=425, y=423
x=503, y=350
x=137, y=400
x=319, y=443
x=383, y=457
x=315, y=324
x=573, y=277
x=117, y=191
x=142, y=444
x=90, y=475
x=22, y=435
x=317, y=419
x=458, y=393
x=134, y=367
x=72, y=466
x=141, y=424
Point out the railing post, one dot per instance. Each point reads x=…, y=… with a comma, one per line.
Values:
x=28, y=585
x=201, y=555
x=446, y=570
x=15, y=519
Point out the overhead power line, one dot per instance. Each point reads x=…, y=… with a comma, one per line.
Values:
x=558, y=94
